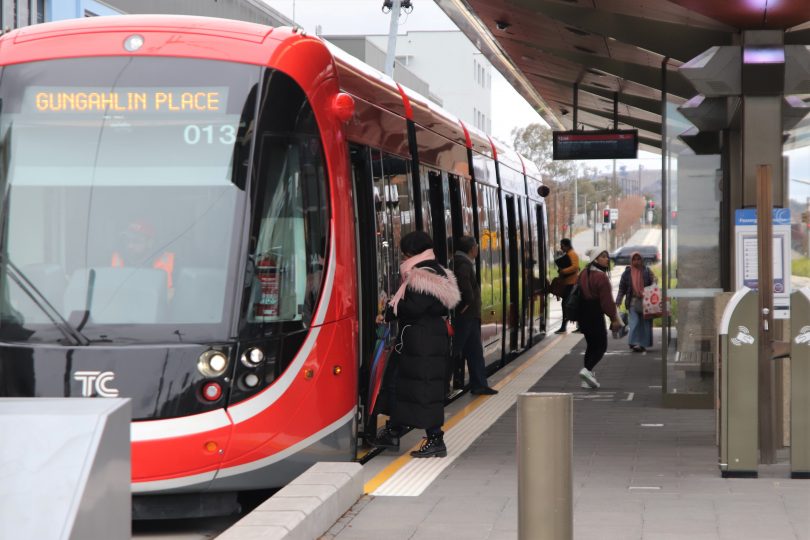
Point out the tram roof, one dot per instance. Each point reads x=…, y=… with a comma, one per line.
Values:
x=543, y=47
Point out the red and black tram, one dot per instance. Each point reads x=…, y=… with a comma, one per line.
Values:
x=203, y=216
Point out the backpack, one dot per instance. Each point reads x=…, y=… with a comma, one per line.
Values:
x=574, y=304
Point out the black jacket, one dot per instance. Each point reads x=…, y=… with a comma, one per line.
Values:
x=470, y=305
x=423, y=346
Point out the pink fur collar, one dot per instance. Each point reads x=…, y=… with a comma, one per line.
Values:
x=424, y=280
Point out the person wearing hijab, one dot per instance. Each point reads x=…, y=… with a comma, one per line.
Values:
x=418, y=365
x=631, y=288
x=597, y=301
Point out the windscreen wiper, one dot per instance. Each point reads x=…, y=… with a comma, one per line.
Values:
x=71, y=333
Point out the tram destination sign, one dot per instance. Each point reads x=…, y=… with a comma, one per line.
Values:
x=598, y=144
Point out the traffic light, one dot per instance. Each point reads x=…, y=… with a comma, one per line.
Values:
x=606, y=216
x=806, y=217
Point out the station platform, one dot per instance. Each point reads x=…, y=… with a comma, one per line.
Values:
x=640, y=471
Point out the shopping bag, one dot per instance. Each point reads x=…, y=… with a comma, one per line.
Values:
x=378, y=363
x=652, y=302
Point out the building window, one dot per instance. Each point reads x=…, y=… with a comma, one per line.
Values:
x=40, y=11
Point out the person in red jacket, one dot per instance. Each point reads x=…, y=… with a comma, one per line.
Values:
x=597, y=301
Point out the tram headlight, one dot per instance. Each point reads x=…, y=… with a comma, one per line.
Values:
x=252, y=357
x=212, y=363
x=251, y=380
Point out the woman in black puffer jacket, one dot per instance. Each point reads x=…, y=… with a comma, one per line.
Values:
x=419, y=363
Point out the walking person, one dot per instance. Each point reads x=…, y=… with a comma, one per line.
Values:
x=569, y=274
x=420, y=357
x=597, y=301
x=467, y=320
x=631, y=288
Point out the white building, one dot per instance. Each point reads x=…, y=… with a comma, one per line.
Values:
x=459, y=75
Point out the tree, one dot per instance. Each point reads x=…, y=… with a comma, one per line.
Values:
x=534, y=142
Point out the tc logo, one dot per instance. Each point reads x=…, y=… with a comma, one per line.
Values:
x=95, y=382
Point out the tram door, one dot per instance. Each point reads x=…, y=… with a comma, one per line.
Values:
x=533, y=284
x=461, y=216
x=539, y=298
x=525, y=282
x=382, y=200
x=513, y=276
x=491, y=275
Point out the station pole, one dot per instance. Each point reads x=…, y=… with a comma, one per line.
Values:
x=545, y=473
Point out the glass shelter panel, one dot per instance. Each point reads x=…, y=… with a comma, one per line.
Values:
x=693, y=268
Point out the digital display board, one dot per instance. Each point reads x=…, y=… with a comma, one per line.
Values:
x=598, y=144
x=140, y=100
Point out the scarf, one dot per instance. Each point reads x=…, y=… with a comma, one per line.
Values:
x=637, y=277
x=404, y=270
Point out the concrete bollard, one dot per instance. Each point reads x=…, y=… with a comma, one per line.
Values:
x=545, y=476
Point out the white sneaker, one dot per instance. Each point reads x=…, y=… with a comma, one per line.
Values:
x=589, y=377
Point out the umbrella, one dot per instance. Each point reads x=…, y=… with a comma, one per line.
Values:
x=379, y=360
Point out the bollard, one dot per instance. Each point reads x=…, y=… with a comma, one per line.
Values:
x=545, y=476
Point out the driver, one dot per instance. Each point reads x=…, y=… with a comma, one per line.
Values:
x=138, y=250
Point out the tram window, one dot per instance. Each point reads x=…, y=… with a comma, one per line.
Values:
x=72, y=208
x=289, y=229
x=466, y=206
x=424, y=189
x=397, y=173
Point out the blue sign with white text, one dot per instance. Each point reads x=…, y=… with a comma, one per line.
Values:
x=748, y=216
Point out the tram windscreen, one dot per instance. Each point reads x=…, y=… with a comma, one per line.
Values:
x=122, y=177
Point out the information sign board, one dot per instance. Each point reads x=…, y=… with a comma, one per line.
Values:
x=745, y=221
x=597, y=144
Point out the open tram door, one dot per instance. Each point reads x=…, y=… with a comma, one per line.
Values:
x=380, y=222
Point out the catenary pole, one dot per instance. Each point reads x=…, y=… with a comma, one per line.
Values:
x=393, y=28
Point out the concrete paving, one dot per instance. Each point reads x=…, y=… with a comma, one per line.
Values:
x=640, y=471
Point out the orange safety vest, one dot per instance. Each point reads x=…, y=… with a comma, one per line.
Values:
x=165, y=262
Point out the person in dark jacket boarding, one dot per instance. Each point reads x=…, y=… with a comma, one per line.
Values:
x=467, y=320
x=419, y=362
